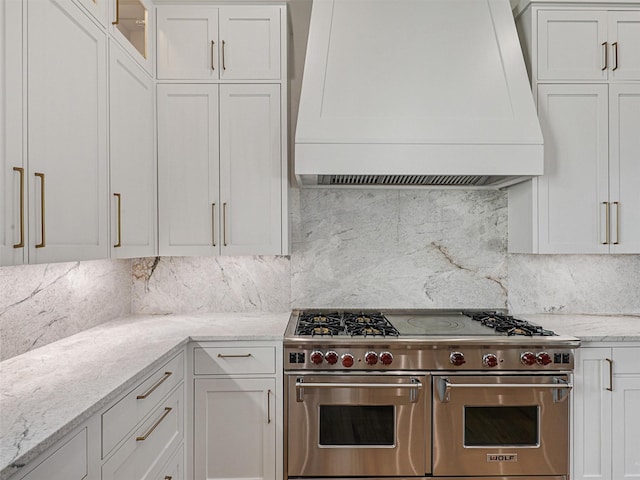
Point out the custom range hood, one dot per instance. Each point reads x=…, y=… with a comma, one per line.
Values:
x=415, y=92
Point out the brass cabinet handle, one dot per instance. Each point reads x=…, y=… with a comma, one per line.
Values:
x=617, y=204
x=213, y=47
x=224, y=224
x=20, y=170
x=43, y=242
x=168, y=477
x=243, y=355
x=167, y=410
x=213, y=224
x=269, y=406
x=156, y=385
x=615, y=55
x=224, y=66
x=610, y=388
x=117, y=20
x=606, y=56
x=119, y=243
x=607, y=224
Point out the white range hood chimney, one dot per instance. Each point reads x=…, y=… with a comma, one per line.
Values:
x=415, y=92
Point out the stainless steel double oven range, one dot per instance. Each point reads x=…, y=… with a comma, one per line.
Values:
x=408, y=394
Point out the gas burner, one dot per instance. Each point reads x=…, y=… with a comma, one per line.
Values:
x=369, y=324
x=319, y=324
x=503, y=323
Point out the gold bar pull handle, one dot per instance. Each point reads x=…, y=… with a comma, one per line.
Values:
x=167, y=410
x=156, y=385
x=243, y=355
x=117, y=20
x=213, y=224
x=606, y=56
x=607, y=226
x=224, y=224
x=617, y=205
x=615, y=55
x=224, y=65
x=43, y=241
x=119, y=242
x=610, y=362
x=213, y=47
x=269, y=406
x=20, y=170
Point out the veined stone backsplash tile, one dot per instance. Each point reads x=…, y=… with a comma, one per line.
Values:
x=40, y=304
x=211, y=284
x=574, y=283
x=399, y=249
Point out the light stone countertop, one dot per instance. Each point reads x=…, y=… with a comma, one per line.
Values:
x=47, y=392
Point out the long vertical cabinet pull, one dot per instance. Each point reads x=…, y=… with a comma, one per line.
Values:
x=615, y=55
x=269, y=406
x=224, y=224
x=213, y=47
x=20, y=170
x=617, y=205
x=213, y=224
x=43, y=242
x=607, y=226
x=610, y=362
x=117, y=20
x=119, y=242
x=224, y=65
x=606, y=56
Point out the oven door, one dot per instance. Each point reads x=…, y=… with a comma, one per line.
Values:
x=501, y=425
x=358, y=425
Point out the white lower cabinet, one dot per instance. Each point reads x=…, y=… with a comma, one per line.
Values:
x=606, y=431
x=237, y=418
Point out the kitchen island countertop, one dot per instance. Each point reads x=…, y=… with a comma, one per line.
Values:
x=47, y=392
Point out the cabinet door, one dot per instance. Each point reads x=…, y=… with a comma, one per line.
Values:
x=67, y=132
x=626, y=427
x=250, y=43
x=624, y=167
x=68, y=462
x=133, y=165
x=624, y=36
x=572, y=45
x=592, y=414
x=132, y=28
x=251, y=171
x=97, y=8
x=574, y=189
x=235, y=429
x=187, y=43
x=188, y=169
x=13, y=228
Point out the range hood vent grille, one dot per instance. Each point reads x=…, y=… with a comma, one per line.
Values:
x=411, y=180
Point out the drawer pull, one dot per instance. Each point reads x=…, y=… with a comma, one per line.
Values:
x=243, y=355
x=168, y=477
x=150, y=391
x=167, y=410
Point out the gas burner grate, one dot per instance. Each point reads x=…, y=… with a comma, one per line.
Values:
x=345, y=323
x=320, y=324
x=368, y=325
x=509, y=325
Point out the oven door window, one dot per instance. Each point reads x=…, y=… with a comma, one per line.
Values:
x=357, y=426
x=502, y=426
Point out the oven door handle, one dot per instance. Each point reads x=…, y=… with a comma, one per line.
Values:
x=415, y=387
x=560, y=388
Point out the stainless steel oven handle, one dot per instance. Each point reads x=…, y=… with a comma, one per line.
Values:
x=415, y=386
x=445, y=387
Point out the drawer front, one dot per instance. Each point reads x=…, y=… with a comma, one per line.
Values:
x=123, y=417
x=234, y=360
x=146, y=450
x=174, y=469
x=69, y=462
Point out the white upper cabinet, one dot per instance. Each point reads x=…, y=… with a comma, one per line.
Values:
x=132, y=158
x=219, y=43
x=588, y=45
x=67, y=134
x=132, y=26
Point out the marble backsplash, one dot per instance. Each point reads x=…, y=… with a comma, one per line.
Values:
x=40, y=304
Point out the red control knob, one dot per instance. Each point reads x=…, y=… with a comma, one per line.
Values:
x=457, y=359
x=331, y=357
x=490, y=360
x=386, y=358
x=528, y=358
x=371, y=358
x=316, y=357
x=543, y=358
x=347, y=360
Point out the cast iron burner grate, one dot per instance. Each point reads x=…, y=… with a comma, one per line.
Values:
x=368, y=325
x=321, y=324
x=346, y=323
x=508, y=324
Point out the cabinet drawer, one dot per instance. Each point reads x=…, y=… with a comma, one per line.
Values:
x=146, y=450
x=233, y=360
x=69, y=462
x=174, y=469
x=127, y=413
